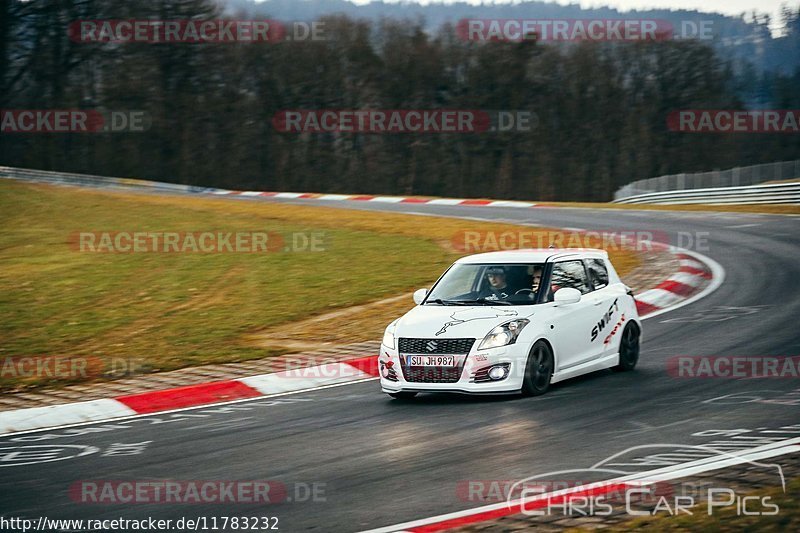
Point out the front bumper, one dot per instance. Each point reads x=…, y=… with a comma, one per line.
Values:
x=514, y=356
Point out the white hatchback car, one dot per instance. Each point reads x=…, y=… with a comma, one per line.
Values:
x=512, y=322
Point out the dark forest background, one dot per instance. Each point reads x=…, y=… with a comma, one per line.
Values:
x=601, y=107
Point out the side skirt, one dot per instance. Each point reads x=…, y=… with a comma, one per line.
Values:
x=608, y=361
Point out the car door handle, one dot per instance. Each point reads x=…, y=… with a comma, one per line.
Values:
x=598, y=302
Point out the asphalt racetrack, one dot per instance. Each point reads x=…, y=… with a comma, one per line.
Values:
x=375, y=462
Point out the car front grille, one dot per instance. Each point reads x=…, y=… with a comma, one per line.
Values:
x=435, y=346
x=432, y=374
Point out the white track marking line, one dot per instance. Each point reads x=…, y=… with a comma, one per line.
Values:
x=446, y=201
x=387, y=199
x=334, y=197
x=509, y=203
x=661, y=474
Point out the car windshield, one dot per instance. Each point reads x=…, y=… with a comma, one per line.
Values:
x=488, y=284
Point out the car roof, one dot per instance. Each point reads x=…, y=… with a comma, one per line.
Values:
x=533, y=255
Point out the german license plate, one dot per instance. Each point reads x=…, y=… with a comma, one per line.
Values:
x=432, y=360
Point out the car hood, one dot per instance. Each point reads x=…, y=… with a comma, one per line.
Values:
x=455, y=321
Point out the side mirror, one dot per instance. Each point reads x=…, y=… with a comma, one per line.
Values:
x=567, y=295
x=420, y=295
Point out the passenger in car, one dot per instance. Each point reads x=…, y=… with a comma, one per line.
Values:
x=534, y=280
x=535, y=272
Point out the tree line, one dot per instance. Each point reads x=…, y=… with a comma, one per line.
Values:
x=601, y=108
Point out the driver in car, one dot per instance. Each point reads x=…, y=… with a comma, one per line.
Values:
x=497, y=288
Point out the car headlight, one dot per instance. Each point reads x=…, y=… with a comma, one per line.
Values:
x=388, y=335
x=504, y=334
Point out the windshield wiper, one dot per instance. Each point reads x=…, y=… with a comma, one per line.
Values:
x=485, y=301
x=447, y=302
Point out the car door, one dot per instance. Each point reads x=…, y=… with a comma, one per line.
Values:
x=607, y=330
x=571, y=324
x=605, y=301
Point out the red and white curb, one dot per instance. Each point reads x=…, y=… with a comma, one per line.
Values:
x=375, y=198
x=698, y=276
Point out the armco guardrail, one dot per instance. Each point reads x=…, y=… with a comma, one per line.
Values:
x=86, y=180
x=732, y=177
x=776, y=193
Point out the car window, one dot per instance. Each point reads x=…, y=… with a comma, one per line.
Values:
x=462, y=281
x=598, y=273
x=569, y=274
x=465, y=282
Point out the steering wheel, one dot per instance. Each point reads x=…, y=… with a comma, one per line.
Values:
x=524, y=291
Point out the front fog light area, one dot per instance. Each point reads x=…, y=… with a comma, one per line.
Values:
x=498, y=372
x=492, y=373
x=387, y=370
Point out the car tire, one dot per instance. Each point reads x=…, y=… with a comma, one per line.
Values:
x=402, y=395
x=628, y=348
x=538, y=370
